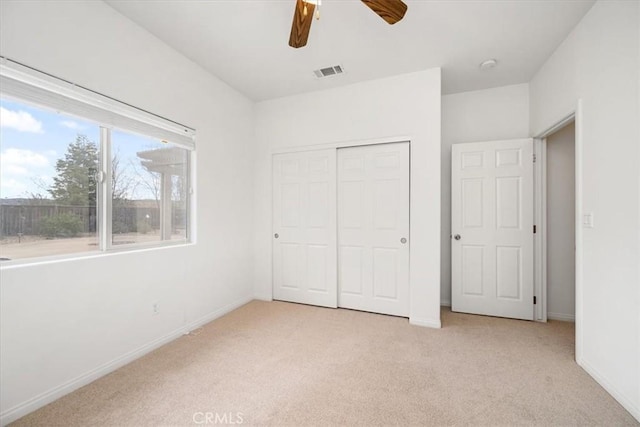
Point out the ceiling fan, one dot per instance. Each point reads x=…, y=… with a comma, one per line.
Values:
x=391, y=11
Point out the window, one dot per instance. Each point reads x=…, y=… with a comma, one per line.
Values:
x=80, y=172
x=48, y=190
x=149, y=194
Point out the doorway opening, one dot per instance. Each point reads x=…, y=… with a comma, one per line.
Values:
x=570, y=129
x=557, y=168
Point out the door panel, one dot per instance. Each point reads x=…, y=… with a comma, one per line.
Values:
x=508, y=202
x=317, y=268
x=385, y=276
x=373, y=217
x=472, y=270
x=492, y=213
x=304, y=218
x=290, y=262
x=351, y=270
x=509, y=276
x=472, y=203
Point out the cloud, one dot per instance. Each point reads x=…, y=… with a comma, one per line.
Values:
x=72, y=125
x=13, y=170
x=12, y=187
x=21, y=171
x=26, y=158
x=16, y=162
x=20, y=121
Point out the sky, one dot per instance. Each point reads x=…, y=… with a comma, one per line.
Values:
x=32, y=139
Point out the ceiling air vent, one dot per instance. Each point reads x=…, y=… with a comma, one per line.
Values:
x=329, y=71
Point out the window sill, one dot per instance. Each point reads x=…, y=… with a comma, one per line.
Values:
x=117, y=251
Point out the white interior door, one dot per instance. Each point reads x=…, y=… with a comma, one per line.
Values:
x=492, y=228
x=373, y=228
x=304, y=227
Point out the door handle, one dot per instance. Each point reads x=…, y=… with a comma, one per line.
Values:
x=457, y=237
x=403, y=240
x=276, y=235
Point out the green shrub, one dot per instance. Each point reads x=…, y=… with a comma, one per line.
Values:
x=144, y=227
x=62, y=225
x=120, y=227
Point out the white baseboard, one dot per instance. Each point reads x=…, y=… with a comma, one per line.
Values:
x=57, y=392
x=428, y=323
x=552, y=316
x=561, y=316
x=263, y=297
x=627, y=403
x=216, y=313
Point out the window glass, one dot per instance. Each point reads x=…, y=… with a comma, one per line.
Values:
x=48, y=185
x=149, y=189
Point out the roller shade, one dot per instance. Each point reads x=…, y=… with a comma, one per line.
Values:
x=27, y=84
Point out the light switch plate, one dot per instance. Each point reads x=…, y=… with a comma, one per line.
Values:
x=587, y=220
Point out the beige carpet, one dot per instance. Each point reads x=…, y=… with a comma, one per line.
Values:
x=287, y=364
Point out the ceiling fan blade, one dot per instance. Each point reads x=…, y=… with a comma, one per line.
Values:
x=301, y=24
x=391, y=11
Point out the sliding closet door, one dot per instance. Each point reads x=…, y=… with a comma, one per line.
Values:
x=373, y=228
x=304, y=227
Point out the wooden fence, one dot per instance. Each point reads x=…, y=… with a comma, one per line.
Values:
x=27, y=219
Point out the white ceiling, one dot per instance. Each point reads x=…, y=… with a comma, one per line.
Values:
x=245, y=42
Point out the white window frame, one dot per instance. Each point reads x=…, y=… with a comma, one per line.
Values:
x=29, y=86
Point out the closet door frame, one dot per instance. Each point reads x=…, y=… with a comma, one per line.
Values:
x=373, y=228
x=304, y=228
x=348, y=144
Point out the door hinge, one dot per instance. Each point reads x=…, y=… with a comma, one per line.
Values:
x=534, y=229
x=535, y=157
x=534, y=300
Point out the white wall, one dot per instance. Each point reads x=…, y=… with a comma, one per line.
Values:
x=483, y=115
x=638, y=254
x=599, y=63
x=406, y=105
x=63, y=324
x=561, y=230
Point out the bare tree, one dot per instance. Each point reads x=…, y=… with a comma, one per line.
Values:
x=178, y=188
x=41, y=196
x=149, y=181
x=122, y=182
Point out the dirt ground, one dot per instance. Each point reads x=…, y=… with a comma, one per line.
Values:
x=37, y=246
